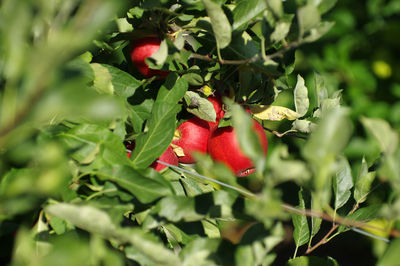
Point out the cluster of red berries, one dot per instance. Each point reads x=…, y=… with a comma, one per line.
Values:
x=195, y=134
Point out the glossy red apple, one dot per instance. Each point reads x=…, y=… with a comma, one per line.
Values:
x=217, y=103
x=192, y=135
x=168, y=156
x=223, y=146
x=142, y=49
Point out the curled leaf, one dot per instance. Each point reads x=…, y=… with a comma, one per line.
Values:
x=273, y=113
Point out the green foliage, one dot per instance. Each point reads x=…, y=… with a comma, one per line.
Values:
x=72, y=103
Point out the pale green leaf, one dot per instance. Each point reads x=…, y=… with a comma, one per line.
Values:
x=381, y=130
x=219, y=22
x=391, y=255
x=200, y=106
x=363, y=182
x=301, y=100
x=308, y=17
x=301, y=233
x=343, y=182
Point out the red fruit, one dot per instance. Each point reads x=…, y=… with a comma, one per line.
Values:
x=223, y=146
x=168, y=156
x=217, y=103
x=142, y=49
x=192, y=135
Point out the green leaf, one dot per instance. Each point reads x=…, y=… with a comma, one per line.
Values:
x=98, y=222
x=301, y=233
x=325, y=143
x=161, y=127
x=381, y=130
x=111, y=80
x=246, y=10
x=363, y=182
x=94, y=143
x=161, y=55
x=320, y=91
x=315, y=222
x=281, y=30
x=219, y=22
x=391, y=255
x=312, y=261
x=308, y=17
x=248, y=140
x=144, y=188
x=198, y=252
x=178, y=208
x=200, y=106
x=84, y=217
x=343, y=182
x=172, y=90
x=193, y=76
x=319, y=31
x=303, y=126
x=301, y=97
x=276, y=7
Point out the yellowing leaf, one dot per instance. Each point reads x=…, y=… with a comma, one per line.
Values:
x=273, y=113
x=178, y=150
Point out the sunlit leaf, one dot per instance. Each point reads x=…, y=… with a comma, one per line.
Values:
x=363, y=182
x=343, y=182
x=301, y=100
x=220, y=23
x=273, y=113
x=308, y=17
x=246, y=11
x=200, y=106
x=386, y=137
x=301, y=233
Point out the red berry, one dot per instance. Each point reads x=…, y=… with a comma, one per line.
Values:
x=192, y=135
x=223, y=146
x=142, y=49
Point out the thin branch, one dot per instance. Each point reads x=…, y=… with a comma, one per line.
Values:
x=323, y=240
x=287, y=207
